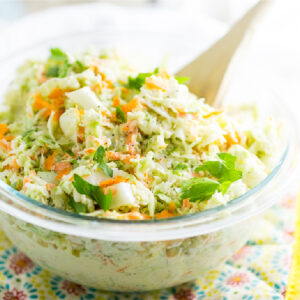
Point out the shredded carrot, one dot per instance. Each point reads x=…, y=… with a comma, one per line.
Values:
x=122, y=269
x=124, y=90
x=50, y=186
x=50, y=161
x=116, y=101
x=98, y=141
x=186, y=203
x=89, y=150
x=26, y=180
x=105, y=113
x=154, y=84
x=172, y=207
x=131, y=141
x=3, y=130
x=62, y=173
x=164, y=74
x=129, y=126
x=57, y=93
x=40, y=102
x=81, y=131
x=164, y=214
x=5, y=145
x=113, y=181
x=96, y=88
x=133, y=104
x=57, y=97
x=132, y=133
x=232, y=138
x=9, y=138
x=14, y=164
x=57, y=114
x=213, y=113
x=120, y=156
x=61, y=166
x=108, y=84
x=41, y=79
x=32, y=173
x=135, y=216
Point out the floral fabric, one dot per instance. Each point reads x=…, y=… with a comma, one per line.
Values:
x=259, y=270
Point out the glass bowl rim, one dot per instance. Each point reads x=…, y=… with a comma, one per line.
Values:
x=205, y=213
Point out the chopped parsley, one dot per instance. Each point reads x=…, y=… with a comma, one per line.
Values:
x=98, y=157
x=78, y=207
x=138, y=81
x=93, y=191
x=182, y=80
x=120, y=114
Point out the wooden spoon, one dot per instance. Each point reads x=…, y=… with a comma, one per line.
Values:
x=210, y=73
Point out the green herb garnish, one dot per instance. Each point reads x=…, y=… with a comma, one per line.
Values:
x=223, y=170
x=58, y=64
x=182, y=80
x=93, y=191
x=78, y=66
x=138, y=81
x=78, y=207
x=120, y=114
x=70, y=152
x=99, y=158
x=58, y=55
x=199, y=189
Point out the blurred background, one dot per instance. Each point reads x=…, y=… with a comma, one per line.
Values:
x=275, y=53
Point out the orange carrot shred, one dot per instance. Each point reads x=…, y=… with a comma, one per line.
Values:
x=113, y=181
x=120, y=156
x=3, y=130
x=172, y=207
x=131, y=105
x=62, y=173
x=164, y=214
x=186, y=203
x=153, y=84
x=90, y=150
x=50, y=161
x=135, y=216
x=116, y=101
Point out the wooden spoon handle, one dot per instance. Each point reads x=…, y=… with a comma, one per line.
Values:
x=211, y=72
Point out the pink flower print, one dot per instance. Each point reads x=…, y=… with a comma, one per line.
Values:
x=242, y=253
x=14, y=294
x=289, y=201
x=20, y=263
x=72, y=288
x=237, y=279
x=184, y=294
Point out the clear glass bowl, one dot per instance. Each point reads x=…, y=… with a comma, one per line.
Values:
x=132, y=256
